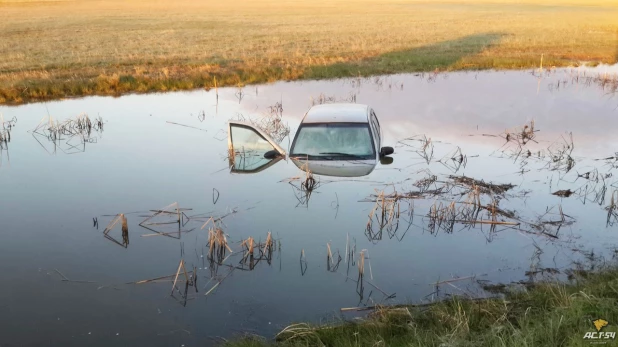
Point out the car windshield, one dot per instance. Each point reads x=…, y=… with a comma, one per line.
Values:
x=334, y=141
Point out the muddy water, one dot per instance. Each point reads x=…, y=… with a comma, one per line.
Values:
x=141, y=162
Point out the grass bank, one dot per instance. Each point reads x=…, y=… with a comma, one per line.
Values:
x=54, y=49
x=543, y=314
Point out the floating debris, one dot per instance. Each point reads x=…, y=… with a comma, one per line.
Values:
x=485, y=188
x=563, y=193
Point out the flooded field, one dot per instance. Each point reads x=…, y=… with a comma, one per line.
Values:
x=127, y=220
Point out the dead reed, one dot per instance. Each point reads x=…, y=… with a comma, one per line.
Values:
x=421, y=145
x=170, y=215
x=360, y=287
x=70, y=135
x=442, y=217
x=125, y=231
x=219, y=281
x=156, y=279
x=560, y=154
x=426, y=150
x=385, y=215
x=458, y=200
x=190, y=281
x=265, y=250
x=7, y=124
x=483, y=187
x=122, y=219
x=423, y=184
x=331, y=264
x=612, y=209
x=301, y=332
x=323, y=99
x=454, y=160
x=272, y=123
x=65, y=279
x=303, y=263
x=217, y=244
x=239, y=93
x=608, y=82
x=548, y=226
x=248, y=244
x=181, y=266
x=5, y=132
x=5, y=138
x=308, y=184
x=521, y=136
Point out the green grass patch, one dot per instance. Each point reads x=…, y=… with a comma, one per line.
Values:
x=542, y=314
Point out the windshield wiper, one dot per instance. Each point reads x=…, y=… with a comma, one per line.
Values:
x=344, y=154
x=300, y=155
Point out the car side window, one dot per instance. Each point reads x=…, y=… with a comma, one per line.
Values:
x=373, y=114
x=376, y=126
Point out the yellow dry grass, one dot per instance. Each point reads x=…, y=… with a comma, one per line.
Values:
x=56, y=48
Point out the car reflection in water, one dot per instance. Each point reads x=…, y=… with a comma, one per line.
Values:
x=342, y=140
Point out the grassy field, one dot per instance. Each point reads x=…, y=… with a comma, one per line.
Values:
x=546, y=314
x=52, y=49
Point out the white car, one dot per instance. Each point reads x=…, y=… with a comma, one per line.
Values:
x=332, y=139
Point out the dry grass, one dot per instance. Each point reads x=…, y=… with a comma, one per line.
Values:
x=51, y=49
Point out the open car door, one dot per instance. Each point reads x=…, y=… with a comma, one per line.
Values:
x=247, y=146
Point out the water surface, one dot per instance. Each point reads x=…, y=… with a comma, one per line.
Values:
x=140, y=162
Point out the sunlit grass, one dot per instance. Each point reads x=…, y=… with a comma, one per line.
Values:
x=68, y=48
x=546, y=314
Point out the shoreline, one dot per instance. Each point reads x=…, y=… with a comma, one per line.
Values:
x=116, y=86
x=545, y=313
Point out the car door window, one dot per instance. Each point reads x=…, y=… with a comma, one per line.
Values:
x=247, y=146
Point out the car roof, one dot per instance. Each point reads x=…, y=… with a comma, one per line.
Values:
x=337, y=113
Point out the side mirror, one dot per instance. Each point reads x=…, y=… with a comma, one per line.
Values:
x=384, y=151
x=272, y=154
x=386, y=160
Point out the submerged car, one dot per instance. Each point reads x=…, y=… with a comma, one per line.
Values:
x=332, y=139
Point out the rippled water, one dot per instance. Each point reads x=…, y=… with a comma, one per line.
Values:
x=158, y=149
